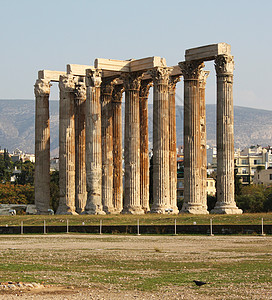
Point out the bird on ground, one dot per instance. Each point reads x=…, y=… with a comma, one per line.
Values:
x=199, y=283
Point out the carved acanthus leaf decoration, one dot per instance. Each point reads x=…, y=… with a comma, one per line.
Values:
x=42, y=87
x=224, y=64
x=145, y=86
x=191, y=69
x=108, y=85
x=173, y=80
x=67, y=83
x=160, y=75
x=117, y=93
x=132, y=81
x=203, y=77
x=93, y=77
x=80, y=90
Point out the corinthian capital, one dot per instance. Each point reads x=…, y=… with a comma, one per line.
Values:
x=42, y=87
x=160, y=75
x=224, y=65
x=191, y=69
x=203, y=77
x=80, y=90
x=67, y=83
x=173, y=80
x=144, y=89
x=93, y=77
x=108, y=85
x=117, y=93
x=132, y=81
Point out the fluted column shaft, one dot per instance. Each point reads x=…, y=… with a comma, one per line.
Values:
x=203, y=151
x=224, y=66
x=42, y=146
x=67, y=145
x=160, y=76
x=173, y=144
x=132, y=202
x=80, y=176
x=93, y=150
x=107, y=144
x=144, y=157
x=117, y=148
x=192, y=162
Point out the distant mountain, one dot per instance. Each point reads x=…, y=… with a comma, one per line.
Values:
x=17, y=129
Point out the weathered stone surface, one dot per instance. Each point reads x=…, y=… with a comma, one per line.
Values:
x=80, y=170
x=50, y=75
x=93, y=143
x=67, y=145
x=203, y=153
x=160, y=78
x=192, y=162
x=132, y=65
x=112, y=64
x=172, y=145
x=144, y=150
x=107, y=144
x=147, y=63
x=78, y=70
x=42, y=146
x=117, y=148
x=132, y=203
x=208, y=52
x=225, y=204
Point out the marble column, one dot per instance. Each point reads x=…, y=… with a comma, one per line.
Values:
x=144, y=151
x=225, y=204
x=107, y=144
x=80, y=176
x=93, y=149
x=203, y=152
x=67, y=145
x=192, y=163
x=161, y=193
x=132, y=204
x=42, y=146
x=173, y=80
x=117, y=148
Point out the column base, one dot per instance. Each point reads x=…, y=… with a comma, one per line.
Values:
x=133, y=210
x=193, y=208
x=93, y=209
x=146, y=209
x=109, y=210
x=93, y=212
x=158, y=209
x=65, y=212
x=174, y=211
x=226, y=209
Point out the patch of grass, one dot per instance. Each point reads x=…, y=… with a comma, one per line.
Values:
x=148, y=219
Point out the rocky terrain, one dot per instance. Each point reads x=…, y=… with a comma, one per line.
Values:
x=251, y=126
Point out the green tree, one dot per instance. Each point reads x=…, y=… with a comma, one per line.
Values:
x=54, y=190
x=5, y=167
x=27, y=172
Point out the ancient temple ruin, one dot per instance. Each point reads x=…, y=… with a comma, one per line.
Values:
x=90, y=135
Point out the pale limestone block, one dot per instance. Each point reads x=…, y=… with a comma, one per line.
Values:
x=78, y=70
x=208, y=52
x=50, y=75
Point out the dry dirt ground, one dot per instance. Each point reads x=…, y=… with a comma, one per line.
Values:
x=119, y=266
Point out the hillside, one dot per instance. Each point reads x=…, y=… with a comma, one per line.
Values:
x=251, y=126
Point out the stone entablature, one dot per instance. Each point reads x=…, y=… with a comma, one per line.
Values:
x=91, y=154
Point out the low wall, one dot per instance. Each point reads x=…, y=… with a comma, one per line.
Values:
x=144, y=229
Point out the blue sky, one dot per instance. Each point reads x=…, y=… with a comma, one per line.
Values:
x=50, y=34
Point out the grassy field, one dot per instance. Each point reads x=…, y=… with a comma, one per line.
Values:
x=148, y=219
x=236, y=267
